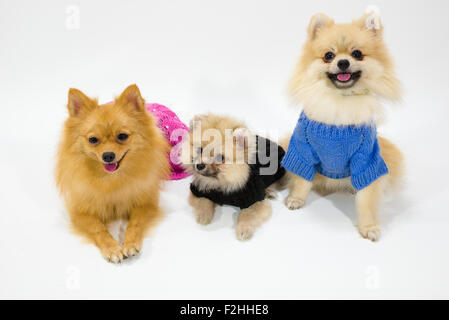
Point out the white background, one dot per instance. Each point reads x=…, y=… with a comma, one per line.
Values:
x=231, y=57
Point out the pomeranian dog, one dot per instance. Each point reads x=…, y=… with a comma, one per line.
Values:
x=231, y=166
x=344, y=72
x=111, y=161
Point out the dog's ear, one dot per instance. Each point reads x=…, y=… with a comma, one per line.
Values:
x=371, y=21
x=196, y=121
x=79, y=104
x=132, y=97
x=317, y=23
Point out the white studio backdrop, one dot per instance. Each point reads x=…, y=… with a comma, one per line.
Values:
x=230, y=57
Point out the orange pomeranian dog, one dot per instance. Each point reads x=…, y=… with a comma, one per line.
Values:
x=111, y=162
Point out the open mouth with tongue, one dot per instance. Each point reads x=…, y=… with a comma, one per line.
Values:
x=111, y=167
x=345, y=79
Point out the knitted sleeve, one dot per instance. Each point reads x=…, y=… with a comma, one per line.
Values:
x=300, y=158
x=367, y=164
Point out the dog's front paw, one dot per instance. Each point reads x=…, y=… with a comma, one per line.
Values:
x=294, y=203
x=244, y=231
x=270, y=194
x=113, y=254
x=204, y=218
x=131, y=249
x=370, y=232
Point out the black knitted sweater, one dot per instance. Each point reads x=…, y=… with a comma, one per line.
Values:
x=254, y=189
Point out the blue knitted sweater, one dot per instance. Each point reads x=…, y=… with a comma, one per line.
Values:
x=336, y=152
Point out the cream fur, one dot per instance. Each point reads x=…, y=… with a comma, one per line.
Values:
x=233, y=173
x=322, y=101
x=229, y=176
x=311, y=89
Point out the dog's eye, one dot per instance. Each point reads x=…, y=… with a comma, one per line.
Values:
x=357, y=54
x=219, y=158
x=329, y=56
x=122, y=137
x=93, y=140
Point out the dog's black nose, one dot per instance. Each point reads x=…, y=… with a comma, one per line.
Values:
x=108, y=156
x=344, y=64
x=200, y=166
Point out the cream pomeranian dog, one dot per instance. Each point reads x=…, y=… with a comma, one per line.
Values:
x=231, y=166
x=344, y=72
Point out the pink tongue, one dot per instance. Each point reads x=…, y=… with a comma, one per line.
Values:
x=110, y=167
x=343, y=77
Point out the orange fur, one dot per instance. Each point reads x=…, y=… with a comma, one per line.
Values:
x=95, y=197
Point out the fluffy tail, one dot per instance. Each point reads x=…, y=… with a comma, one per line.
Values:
x=394, y=160
x=284, y=142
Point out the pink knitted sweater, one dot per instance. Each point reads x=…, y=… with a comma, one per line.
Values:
x=174, y=131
